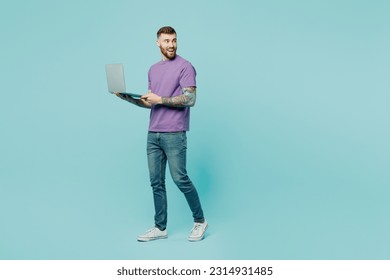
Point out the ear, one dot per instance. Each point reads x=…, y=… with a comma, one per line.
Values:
x=158, y=43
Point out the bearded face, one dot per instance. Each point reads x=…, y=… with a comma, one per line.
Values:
x=168, y=46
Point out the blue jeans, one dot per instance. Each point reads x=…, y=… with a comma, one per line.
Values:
x=163, y=147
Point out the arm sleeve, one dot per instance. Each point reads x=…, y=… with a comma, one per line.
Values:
x=149, y=83
x=188, y=76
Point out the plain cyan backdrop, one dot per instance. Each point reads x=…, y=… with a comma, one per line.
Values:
x=289, y=144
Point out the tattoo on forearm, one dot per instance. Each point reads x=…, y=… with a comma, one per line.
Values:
x=187, y=99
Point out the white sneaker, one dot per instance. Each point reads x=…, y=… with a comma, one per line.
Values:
x=153, y=234
x=198, y=231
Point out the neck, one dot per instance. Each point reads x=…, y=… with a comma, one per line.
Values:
x=164, y=58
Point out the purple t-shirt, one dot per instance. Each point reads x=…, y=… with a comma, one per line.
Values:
x=167, y=79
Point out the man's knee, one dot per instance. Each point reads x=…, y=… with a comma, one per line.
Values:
x=183, y=182
x=157, y=181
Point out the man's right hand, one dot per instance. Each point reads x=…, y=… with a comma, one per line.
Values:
x=119, y=95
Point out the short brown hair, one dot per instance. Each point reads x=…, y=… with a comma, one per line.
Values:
x=165, y=30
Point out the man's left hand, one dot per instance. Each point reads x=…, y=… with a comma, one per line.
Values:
x=152, y=98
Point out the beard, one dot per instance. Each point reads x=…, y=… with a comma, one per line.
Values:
x=168, y=55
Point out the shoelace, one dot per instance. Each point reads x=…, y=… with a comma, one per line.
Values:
x=151, y=230
x=197, y=226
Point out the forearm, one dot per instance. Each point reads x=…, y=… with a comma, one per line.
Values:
x=187, y=99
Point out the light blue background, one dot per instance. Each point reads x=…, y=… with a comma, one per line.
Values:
x=289, y=144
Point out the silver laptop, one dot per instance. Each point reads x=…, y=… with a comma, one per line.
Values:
x=116, y=80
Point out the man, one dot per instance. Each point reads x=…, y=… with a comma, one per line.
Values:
x=171, y=93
